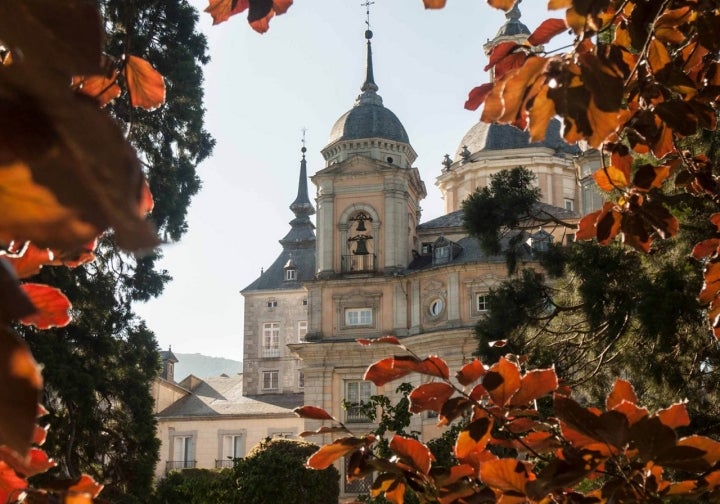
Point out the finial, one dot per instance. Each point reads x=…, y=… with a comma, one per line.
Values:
x=447, y=163
x=514, y=13
x=369, y=85
x=303, y=149
x=367, y=5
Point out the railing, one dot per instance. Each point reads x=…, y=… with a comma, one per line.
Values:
x=354, y=414
x=353, y=263
x=271, y=352
x=225, y=464
x=174, y=465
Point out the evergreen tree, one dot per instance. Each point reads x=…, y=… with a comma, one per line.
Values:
x=98, y=370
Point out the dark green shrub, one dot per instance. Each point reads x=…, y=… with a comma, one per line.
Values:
x=274, y=471
x=196, y=486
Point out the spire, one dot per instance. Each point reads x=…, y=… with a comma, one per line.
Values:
x=302, y=231
x=369, y=88
x=302, y=205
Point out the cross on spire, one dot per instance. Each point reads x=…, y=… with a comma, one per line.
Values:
x=304, y=130
x=367, y=5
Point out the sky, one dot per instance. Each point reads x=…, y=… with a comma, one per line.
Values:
x=261, y=91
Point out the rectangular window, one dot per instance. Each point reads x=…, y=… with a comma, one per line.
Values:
x=271, y=339
x=183, y=453
x=569, y=204
x=301, y=380
x=358, y=317
x=481, y=303
x=272, y=303
x=355, y=393
x=290, y=274
x=233, y=446
x=302, y=330
x=270, y=380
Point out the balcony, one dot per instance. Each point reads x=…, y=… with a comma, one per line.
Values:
x=226, y=463
x=354, y=414
x=176, y=465
x=270, y=352
x=358, y=263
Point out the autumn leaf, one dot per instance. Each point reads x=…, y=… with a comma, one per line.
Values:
x=35, y=462
x=474, y=437
x=313, y=412
x=86, y=485
x=502, y=381
x=392, y=368
x=329, y=453
x=471, y=372
x=19, y=395
x=434, y=4
x=507, y=475
x=53, y=308
x=259, y=11
x=675, y=416
x=11, y=485
x=31, y=260
x=477, y=96
x=622, y=391
x=547, y=30
x=389, y=340
x=533, y=385
x=611, y=178
x=430, y=396
x=144, y=84
x=412, y=451
x=505, y=5
x=101, y=87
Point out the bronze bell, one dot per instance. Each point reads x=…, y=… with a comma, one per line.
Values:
x=361, y=225
x=361, y=248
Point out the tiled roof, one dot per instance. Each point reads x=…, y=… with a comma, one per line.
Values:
x=222, y=395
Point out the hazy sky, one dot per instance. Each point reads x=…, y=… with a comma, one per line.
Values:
x=262, y=90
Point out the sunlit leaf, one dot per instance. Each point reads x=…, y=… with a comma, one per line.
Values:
x=101, y=87
x=710, y=447
x=611, y=178
x=35, y=462
x=537, y=442
x=502, y=381
x=648, y=176
x=412, y=451
x=534, y=385
x=323, y=430
x=586, y=227
x=19, y=395
x=434, y=4
x=11, y=485
x=608, y=224
x=390, y=486
x=53, y=308
x=221, y=10
x=711, y=285
x=622, y=391
x=474, y=437
x=313, y=412
x=541, y=113
x=506, y=475
x=145, y=84
x=392, y=368
x=477, y=95
x=505, y=5
x=31, y=261
x=430, y=396
x=547, y=30
x=658, y=56
x=329, y=453
x=470, y=372
x=675, y=416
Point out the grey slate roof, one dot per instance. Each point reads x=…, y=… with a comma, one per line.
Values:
x=455, y=219
x=168, y=355
x=222, y=395
x=513, y=26
x=488, y=137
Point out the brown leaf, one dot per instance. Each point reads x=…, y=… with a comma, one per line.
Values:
x=19, y=395
x=622, y=391
x=313, y=412
x=53, y=308
x=533, y=385
x=145, y=84
x=434, y=4
x=502, y=381
x=711, y=285
x=474, y=437
x=392, y=368
x=608, y=224
x=329, y=453
x=101, y=87
x=430, y=396
x=542, y=110
x=586, y=227
x=86, y=485
x=470, y=372
x=547, y=30
x=31, y=261
x=15, y=303
x=658, y=56
x=707, y=445
x=477, y=96
x=413, y=452
x=221, y=10
x=648, y=176
x=705, y=248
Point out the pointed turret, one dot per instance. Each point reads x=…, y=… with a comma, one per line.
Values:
x=513, y=30
x=301, y=229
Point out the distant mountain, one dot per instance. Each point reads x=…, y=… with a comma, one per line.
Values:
x=203, y=366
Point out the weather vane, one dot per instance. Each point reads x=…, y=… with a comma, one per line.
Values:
x=367, y=5
x=304, y=130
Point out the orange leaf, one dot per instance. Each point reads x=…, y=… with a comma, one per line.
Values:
x=631, y=411
x=675, y=416
x=430, y=396
x=546, y=31
x=86, y=485
x=533, y=385
x=52, y=305
x=11, y=485
x=36, y=461
x=470, y=372
x=103, y=88
x=505, y=5
x=711, y=285
x=537, y=441
x=622, y=391
x=328, y=454
x=586, y=227
x=22, y=382
x=473, y=438
x=608, y=224
x=709, y=446
x=313, y=412
x=221, y=10
x=649, y=176
x=502, y=381
x=145, y=84
x=477, y=96
x=434, y=4
x=147, y=203
x=611, y=178
x=31, y=261
x=260, y=13
x=715, y=219
x=412, y=451
x=392, y=368
x=506, y=475
x=542, y=110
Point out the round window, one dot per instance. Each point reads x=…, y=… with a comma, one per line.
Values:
x=437, y=307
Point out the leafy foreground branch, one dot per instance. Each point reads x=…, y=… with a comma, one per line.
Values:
x=511, y=450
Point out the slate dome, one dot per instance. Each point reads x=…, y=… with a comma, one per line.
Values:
x=488, y=137
x=368, y=120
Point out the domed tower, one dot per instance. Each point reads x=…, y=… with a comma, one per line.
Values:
x=368, y=194
x=488, y=148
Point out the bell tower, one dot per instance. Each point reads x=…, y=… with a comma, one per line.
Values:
x=368, y=194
